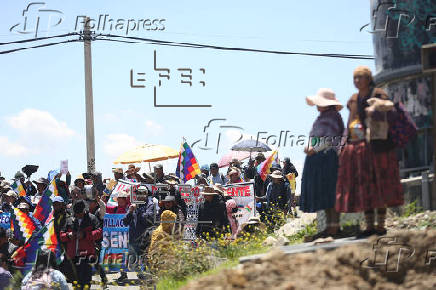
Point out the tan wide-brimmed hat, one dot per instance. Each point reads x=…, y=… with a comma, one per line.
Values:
x=11, y=193
x=219, y=189
x=209, y=190
x=254, y=221
x=122, y=193
x=117, y=170
x=324, y=98
x=277, y=174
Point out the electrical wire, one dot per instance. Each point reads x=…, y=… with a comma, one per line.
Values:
x=197, y=45
x=128, y=39
x=124, y=41
x=39, y=38
x=38, y=46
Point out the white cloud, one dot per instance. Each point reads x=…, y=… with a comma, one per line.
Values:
x=40, y=123
x=11, y=149
x=153, y=128
x=116, y=144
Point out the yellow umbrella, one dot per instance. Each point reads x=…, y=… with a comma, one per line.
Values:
x=147, y=153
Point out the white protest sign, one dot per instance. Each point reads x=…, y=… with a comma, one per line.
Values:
x=64, y=167
x=193, y=199
x=243, y=195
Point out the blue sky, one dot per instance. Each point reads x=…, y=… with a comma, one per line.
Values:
x=43, y=96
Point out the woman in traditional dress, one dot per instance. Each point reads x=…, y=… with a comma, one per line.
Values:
x=368, y=177
x=318, y=185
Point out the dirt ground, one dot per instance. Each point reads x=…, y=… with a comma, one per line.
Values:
x=410, y=264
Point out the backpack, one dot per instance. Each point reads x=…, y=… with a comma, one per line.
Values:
x=44, y=281
x=402, y=129
x=145, y=239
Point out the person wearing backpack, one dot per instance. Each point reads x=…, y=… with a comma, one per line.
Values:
x=369, y=175
x=44, y=274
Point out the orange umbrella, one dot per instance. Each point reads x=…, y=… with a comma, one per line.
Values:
x=147, y=153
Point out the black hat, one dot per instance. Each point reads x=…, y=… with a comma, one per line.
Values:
x=275, y=165
x=79, y=206
x=41, y=180
x=157, y=166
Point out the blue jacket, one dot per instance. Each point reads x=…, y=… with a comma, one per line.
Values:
x=140, y=220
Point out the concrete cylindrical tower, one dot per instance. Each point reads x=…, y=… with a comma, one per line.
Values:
x=400, y=28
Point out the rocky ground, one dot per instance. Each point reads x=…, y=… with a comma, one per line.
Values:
x=348, y=267
x=419, y=221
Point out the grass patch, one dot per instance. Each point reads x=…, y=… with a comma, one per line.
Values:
x=411, y=209
x=249, y=244
x=309, y=230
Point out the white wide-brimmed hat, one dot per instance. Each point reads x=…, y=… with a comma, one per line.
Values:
x=324, y=98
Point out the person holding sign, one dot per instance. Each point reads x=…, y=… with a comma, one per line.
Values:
x=139, y=218
x=122, y=200
x=213, y=210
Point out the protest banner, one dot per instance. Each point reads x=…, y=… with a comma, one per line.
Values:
x=131, y=186
x=193, y=200
x=5, y=220
x=115, y=244
x=64, y=167
x=243, y=195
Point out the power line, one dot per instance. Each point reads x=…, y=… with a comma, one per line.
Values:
x=128, y=39
x=39, y=38
x=38, y=46
x=197, y=45
x=155, y=43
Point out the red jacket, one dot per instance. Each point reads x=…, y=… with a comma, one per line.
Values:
x=91, y=232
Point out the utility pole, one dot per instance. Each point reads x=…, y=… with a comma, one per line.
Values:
x=428, y=61
x=433, y=196
x=90, y=142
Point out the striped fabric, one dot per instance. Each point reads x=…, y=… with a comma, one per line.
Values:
x=44, y=206
x=187, y=165
x=22, y=225
x=266, y=165
x=18, y=188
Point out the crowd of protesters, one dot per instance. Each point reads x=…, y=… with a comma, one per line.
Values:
x=362, y=176
x=82, y=203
